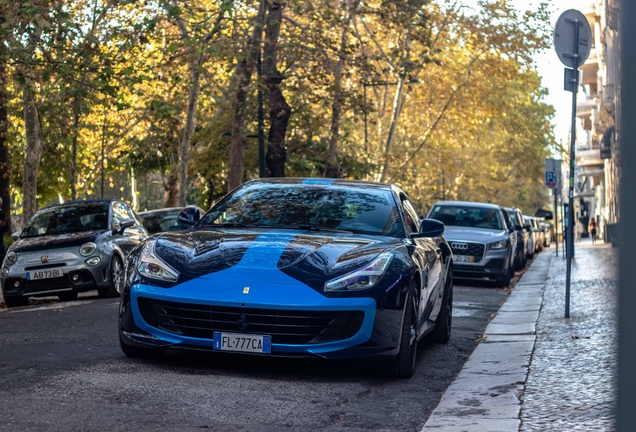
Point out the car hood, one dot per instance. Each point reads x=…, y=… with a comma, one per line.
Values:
x=311, y=257
x=57, y=241
x=453, y=233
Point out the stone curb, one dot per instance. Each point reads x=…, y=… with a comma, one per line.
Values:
x=485, y=395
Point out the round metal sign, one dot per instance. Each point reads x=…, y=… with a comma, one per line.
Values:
x=564, y=38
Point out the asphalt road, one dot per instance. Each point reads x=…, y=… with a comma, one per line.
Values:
x=61, y=369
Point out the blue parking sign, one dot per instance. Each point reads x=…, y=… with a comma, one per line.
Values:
x=551, y=179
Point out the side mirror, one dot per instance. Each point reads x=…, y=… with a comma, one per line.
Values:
x=120, y=227
x=527, y=226
x=189, y=215
x=518, y=227
x=16, y=235
x=429, y=228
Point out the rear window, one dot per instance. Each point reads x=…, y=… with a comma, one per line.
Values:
x=467, y=216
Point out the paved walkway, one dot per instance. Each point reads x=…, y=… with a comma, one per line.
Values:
x=536, y=370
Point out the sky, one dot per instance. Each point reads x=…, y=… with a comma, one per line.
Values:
x=550, y=67
x=551, y=70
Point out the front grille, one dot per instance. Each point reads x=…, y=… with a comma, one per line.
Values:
x=296, y=327
x=468, y=248
x=44, y=266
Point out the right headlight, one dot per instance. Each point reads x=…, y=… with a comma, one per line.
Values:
x=363, y=278
x=87, y=249
x=498, y=245
x=153, y=267
x=11, y=258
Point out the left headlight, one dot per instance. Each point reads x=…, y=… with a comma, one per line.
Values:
x=499, y=245
x=11, y=258
x=153, y=267
x=363, y=278
x=87, y=249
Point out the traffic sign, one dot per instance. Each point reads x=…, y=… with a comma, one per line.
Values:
x=552, y=173
x=564, y=38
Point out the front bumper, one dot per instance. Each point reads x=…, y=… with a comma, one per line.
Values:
x=73, y=265
x=494, y=265
x=376, y=332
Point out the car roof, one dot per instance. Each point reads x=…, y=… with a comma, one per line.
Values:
x=77, y=202
x=322, y=181
x=468, y=204
x=160, y=210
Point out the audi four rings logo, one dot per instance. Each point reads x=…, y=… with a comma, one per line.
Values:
x=460, y=246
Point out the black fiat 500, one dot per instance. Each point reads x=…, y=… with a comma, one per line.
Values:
x=291, y=267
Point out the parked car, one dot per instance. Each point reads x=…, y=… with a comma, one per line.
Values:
x=540, y=242
x=69, y=248
x=290, y=267
x=532, y=238
x=522, y=237
x=479, y=238
x=165, y=219
x=547, y=233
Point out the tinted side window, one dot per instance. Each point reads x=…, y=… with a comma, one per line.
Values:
x=412, y=222
x=119, y=212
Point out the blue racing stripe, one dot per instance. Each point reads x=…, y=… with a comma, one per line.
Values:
x=319, y=181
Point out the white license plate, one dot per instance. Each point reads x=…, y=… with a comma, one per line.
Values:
x=44, y=274
x=242, y=342
x=464, y=258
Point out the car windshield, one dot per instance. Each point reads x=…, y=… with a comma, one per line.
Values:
x=361, y=211
x=162, y=221
x=467, y=216
x=68, y=219
x=514, y=217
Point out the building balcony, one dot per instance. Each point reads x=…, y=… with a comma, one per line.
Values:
x=589, y=158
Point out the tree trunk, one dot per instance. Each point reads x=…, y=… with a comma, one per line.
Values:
x=171, y=194
x=5, y=163
x=77, y=107
x=193, y=99
x=332, y=166
x=34, y=145
x=397, y=108
x=244, y=70
x=279, y=110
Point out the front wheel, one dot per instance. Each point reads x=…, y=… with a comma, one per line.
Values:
x=116, y=279
x=505, y=280
x=404, y=363
x=442, y=331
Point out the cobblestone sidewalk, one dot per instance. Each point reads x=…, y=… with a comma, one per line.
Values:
x=536, y=370
x=571, y=382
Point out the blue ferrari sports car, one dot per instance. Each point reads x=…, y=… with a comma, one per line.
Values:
x=318, y=268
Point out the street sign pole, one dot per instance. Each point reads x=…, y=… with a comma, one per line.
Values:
x=556, y=220
x=570, y=242
x=572, y=32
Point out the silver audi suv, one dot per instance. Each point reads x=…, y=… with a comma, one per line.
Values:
x=69, y=248
x=481, y=239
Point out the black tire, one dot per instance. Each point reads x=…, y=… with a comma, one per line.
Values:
x=115, y=278
x=16, y=301
x=67, y=296
x=504, y=281
x=137, y=352
x=404, y=363
x=443, y=324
